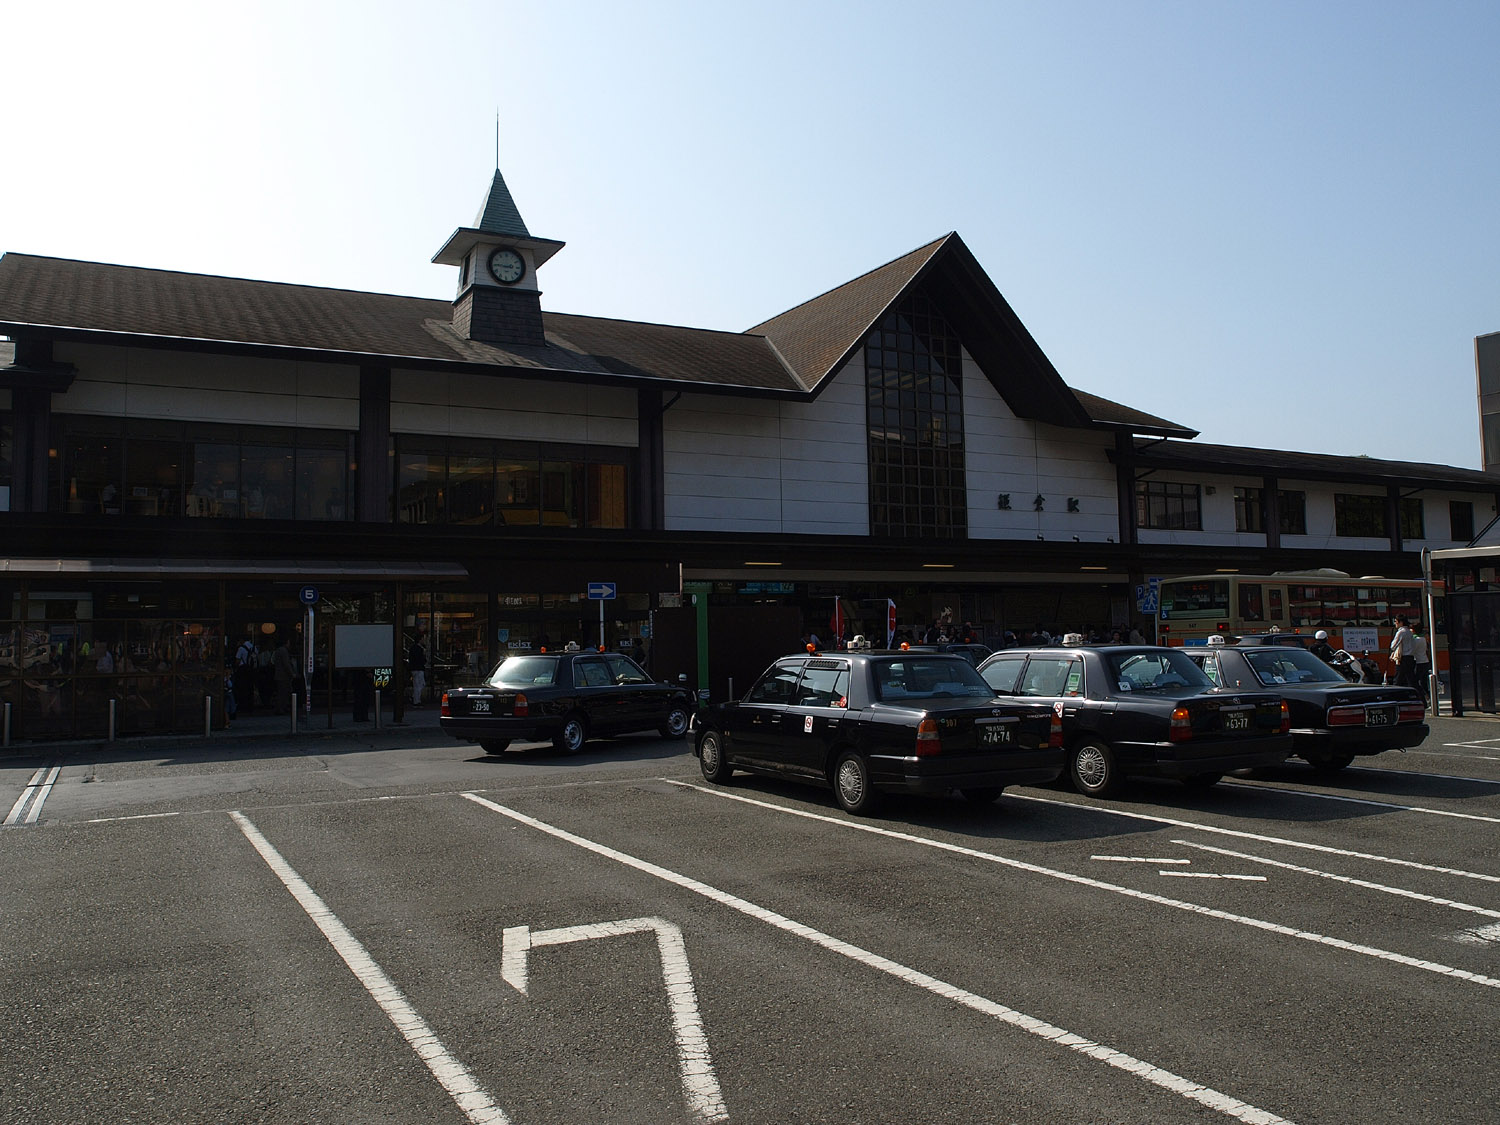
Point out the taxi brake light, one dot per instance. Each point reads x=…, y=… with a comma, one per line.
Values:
x=443, y=712
x=1055, y=735
x=1286, y=718
x=520, y=708
x=928, y=742
x=1182, y=725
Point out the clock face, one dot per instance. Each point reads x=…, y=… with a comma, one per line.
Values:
x=507, y=266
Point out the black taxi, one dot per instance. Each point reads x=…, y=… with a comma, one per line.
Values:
x=1333, y=721
x=873, y=722
x=1140, y=709
x=567, y=697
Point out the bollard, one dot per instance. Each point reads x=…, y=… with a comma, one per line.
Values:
x=5, y=741
x=294, y=712
x=377, y=708
x=112, y=704
x=208, y=715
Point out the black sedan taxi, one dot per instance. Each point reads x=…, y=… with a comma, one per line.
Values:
x=1333, y=721
x=567, y=697
x=868, y=723
x=1139, y=709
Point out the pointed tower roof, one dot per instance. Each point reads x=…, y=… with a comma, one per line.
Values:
x=498, y=213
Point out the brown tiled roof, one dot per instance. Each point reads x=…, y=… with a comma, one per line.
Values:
x=1289, y=465
x=1109, y=413
x=90, y=297
x=815, y=336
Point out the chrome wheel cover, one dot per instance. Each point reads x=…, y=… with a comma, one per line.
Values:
x=677, y=721
x=851, y=782
x=1091, y=767
x=709, y=754
x=573, y=734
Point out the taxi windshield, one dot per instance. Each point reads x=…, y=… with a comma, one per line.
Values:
x=928, y=677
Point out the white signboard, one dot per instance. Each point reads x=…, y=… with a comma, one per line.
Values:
x=364, y=646
x=1361, y=639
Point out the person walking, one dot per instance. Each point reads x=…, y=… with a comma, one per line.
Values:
x=1403, y=654
x=416, y=662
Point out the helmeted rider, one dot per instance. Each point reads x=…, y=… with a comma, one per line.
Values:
x=1321, y=648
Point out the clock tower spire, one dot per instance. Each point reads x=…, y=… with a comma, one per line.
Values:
x=498, y=301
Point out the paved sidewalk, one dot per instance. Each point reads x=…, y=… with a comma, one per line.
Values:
x=262, y=725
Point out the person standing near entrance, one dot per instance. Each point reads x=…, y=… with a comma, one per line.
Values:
x=416, y=660
x=244, y=676
x=1403, y=654
x=1423, y=663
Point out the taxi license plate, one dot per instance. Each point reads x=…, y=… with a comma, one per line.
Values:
x=479, y=707
x=1379, y=716
x=995, y=735
x=1237, y=720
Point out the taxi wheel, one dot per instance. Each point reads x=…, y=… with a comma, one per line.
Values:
x=1094, y=769
x=675, y=725
x=574, y=733
x=986, y=796
x=494, y=745
x=712, y=760
x=851, y=785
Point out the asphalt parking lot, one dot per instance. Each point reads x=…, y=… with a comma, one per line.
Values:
x=389, y=926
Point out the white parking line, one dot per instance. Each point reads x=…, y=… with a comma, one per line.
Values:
x=1212, y=875
x=1281, y=840
x=1365, y=883
x=1114, y=888
x=1187, y=1088
x=1136, y=859
x=452, y=1074
x=28, y=805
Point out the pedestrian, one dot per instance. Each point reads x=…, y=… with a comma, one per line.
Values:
x=416, y=662
x=1403, y=654
x=1423, y=662
x=244, y=676
x=285, y=672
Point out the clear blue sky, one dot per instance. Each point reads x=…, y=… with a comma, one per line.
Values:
x=1273, y=222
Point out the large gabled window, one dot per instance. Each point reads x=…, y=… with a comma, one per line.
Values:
x=914, y=410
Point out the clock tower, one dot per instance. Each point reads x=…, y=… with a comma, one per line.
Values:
x=498, y=301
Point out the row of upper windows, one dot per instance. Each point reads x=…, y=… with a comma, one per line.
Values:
x=109, y=466
x=1177, y=506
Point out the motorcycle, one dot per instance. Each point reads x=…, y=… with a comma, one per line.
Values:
x=1357, y=669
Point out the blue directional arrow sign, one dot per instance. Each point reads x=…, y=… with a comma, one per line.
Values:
x=601, y=591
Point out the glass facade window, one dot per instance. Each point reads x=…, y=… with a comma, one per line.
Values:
x=1461, y=520
x=914, y=413
x=160, y=468
x=7, y=458
x=1412, y=525
x=1168, y=505
x=511, y=484
x=1293, y=512
x=1361, y=516
x=1250, y=511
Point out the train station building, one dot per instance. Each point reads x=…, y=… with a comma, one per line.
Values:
x=181, y=455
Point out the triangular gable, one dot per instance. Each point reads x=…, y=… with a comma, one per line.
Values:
x=819, y=336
